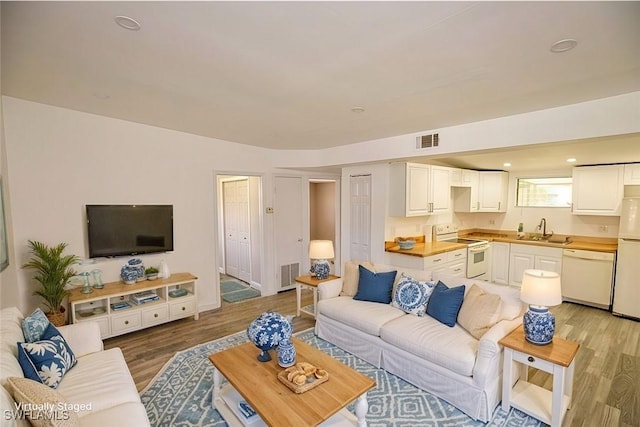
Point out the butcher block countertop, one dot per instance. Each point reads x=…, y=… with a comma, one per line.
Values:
x=587, y=243
x=425, y=249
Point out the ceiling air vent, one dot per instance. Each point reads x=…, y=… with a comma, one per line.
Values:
x=427, y=141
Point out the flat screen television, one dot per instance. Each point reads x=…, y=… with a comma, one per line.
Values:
x=120, y=230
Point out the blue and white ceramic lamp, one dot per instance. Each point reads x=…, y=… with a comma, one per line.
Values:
x=320, y=252
x=540, y=289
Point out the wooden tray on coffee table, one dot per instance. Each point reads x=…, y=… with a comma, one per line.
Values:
x=282, y=376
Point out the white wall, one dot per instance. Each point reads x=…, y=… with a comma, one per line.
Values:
x=60, y=160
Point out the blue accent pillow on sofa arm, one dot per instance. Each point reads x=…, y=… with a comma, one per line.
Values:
x=444, y=303
x=375, y=287
x=48, y=359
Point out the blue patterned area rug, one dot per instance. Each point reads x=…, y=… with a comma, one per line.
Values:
x=180, y=394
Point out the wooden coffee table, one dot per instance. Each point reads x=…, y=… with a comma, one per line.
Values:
x=276, y=404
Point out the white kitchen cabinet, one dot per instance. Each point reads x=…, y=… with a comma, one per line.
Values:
x=518, y=263
x=493, y=191
x=632, y=174
x=597, y=190
x=452, y=263
x=524, y=257
x=500, y=262
x=417, y=189
x=440, y=190
x=466, y=191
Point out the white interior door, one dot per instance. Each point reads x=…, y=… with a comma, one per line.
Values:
x=244, y=230
x=288, y=218
x=237, y=229
x=360, y=208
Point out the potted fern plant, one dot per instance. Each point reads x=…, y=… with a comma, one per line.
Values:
x=53, y=271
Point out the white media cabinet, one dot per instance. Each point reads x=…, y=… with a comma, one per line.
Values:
x=97, y=306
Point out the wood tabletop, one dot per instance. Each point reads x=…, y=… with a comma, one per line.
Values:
x=559, y=351
x=309, y=280
x=276, y=404
x=116, y=288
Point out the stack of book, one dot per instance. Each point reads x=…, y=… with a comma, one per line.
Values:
x=143, y=297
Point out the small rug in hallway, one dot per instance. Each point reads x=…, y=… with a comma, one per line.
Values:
x=180, y=394
x=233, y=291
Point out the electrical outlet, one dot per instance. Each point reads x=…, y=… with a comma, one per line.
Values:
x=603, y=228
x=492, y=222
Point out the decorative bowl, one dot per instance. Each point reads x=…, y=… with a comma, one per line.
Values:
x=406, y=244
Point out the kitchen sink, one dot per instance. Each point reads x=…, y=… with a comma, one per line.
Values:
x=546, y=239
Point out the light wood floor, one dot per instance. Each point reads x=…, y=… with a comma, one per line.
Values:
x=607, y=375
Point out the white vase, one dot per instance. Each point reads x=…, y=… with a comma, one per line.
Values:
x=164, y=270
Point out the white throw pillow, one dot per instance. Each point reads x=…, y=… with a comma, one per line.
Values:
x=42, y=405
x=351, y=276
x=480, y=311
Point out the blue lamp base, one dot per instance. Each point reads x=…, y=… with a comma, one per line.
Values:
x=539, y=325
x=320, y=268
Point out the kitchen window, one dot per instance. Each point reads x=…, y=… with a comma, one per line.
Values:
x=544, y=192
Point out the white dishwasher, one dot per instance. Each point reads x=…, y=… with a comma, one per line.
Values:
x=587, y=277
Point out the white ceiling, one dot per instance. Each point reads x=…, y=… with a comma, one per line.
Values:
x=286, y=75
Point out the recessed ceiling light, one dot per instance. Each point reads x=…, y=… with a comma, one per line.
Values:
x=357, y=110
x=563, y=45
x=506, y=164
x=127, y=23
x=571, y=160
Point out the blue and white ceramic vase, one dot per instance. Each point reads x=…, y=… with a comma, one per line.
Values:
x=129, y=274
x=539, y=325
x=136, y=263
x=286, y=353
x=320, y=268
x=267, y=331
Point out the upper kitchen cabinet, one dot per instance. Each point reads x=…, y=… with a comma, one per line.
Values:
x=493, y=191
x=417, y=189
x=598, y=190
x=465, y=185
x=632, y=174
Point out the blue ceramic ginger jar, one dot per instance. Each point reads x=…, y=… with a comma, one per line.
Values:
x=286, y=353
x=138, y=266
x=128, y=274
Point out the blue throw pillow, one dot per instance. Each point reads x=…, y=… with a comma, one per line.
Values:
x=48, y=359
x=34, y=325
x=375, y=287
x=444, y=303
x=412, y=295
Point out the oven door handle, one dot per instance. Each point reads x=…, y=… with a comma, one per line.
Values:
x=478, y=248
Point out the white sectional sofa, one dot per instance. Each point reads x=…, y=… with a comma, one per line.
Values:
x=99, y=389
x=445, y=361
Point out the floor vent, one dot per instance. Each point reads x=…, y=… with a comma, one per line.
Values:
x=288, y=274
x=427, y=141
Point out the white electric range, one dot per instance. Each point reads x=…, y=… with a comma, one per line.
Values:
x=477, y=249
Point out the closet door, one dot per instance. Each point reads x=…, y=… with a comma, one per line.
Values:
x=360, y=227
x=288, y=218
x=237, y=229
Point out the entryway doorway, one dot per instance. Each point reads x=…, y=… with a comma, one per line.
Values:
x=323, y=211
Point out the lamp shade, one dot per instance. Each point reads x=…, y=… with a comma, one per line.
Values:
x=321, y=249
x=541, y=287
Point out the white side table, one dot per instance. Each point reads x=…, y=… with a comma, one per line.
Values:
x=311, y=283
x=556, y=358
